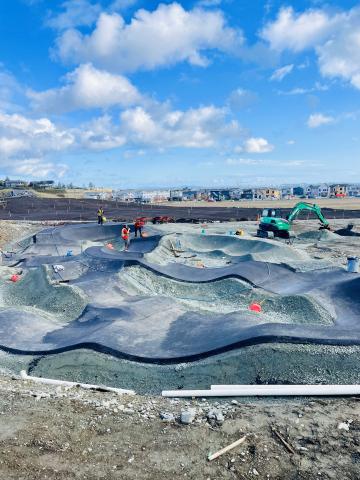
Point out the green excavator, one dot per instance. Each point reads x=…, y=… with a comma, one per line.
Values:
x=273, y=221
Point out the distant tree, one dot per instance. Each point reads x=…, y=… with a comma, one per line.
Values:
x=91, y=186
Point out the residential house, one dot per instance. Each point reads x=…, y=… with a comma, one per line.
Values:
x=339, y=190
x=298, y=191
x=267, y=194
x=42, y=184
x=287, y=192
x=354, y=190
x=218, y=195
x=15, y=183
x=235, y=193
x=247, y=194
x=176, y=195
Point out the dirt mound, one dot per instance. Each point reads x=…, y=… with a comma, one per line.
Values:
x=219, y=250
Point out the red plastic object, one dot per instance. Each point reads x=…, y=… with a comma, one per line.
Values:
x=15, y=278
x=255, y=307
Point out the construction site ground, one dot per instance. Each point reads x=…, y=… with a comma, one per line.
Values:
x=50, y=432
x=65, y=209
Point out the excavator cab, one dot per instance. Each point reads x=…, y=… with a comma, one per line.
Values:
x=271, y=212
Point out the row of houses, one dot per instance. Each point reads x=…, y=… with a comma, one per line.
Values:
x=21, y=184
x=268, y=193
x=141, y=196
x=223, y=194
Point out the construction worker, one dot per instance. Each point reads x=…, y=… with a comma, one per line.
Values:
x=100, y=215
x=125, y=235
x=139, y=223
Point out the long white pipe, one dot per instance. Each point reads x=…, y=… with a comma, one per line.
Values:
x=63, y=383
x=266, y=390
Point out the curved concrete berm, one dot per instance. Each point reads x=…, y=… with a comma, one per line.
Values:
x=124, y=304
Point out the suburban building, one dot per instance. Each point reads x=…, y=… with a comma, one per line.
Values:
x=152, y=196
x=188, y=194
x=43, y=184
x=218, y=195
x=354, y=190
x=298, y=191
x=317, y=191
x=339, y=190
x=123, y=196
x=287, y=192
x=15, y=183
x=176, y=195
x=235, y=193
x=97, y=195
x=267, y=194
x=247, y=194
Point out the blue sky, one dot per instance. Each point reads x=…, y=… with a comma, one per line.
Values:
x=131, y=94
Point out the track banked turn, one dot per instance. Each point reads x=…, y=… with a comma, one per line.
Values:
x=156, y=328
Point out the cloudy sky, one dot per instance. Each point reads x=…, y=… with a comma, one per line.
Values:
x=133, y=93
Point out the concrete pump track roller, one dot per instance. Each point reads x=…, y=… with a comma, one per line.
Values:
x=130, y=306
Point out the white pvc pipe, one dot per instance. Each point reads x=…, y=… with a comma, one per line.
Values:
x=63, y=383
x=266, y=390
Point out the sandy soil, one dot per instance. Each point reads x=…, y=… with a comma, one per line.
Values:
x=337, y=203
x=11, y=231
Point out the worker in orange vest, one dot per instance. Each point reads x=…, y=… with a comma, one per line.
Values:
x=125, y=235
x=139, y=223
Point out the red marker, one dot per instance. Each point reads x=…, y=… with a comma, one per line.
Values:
x=255, y=307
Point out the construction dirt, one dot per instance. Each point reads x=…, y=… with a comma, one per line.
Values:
x=65, y=209
x=49, y=432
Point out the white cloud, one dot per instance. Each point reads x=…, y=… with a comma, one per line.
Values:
x=86, y=88
x=257, y=145
x=297, y=32
x=318, y=87
x=318, y=119
x=33, y=134
x=195, y=128
x=10, y=146
x=168, y=35
x=100, y=134
x=334, y=36
x=281, y=73
x=339, y=56
x=76, y=13
x=24, y=142
x=37, y=168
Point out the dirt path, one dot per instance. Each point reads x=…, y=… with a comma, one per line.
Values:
x=57, y=433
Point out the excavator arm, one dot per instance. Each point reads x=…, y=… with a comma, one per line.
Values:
x=312, y=207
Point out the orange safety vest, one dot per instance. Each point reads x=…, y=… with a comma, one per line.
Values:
x=125, y=233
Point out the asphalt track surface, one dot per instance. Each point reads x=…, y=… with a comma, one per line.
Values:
x=64, y=209
x=155, y=329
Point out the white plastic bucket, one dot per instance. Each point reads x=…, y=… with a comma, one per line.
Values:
x=353, y=264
